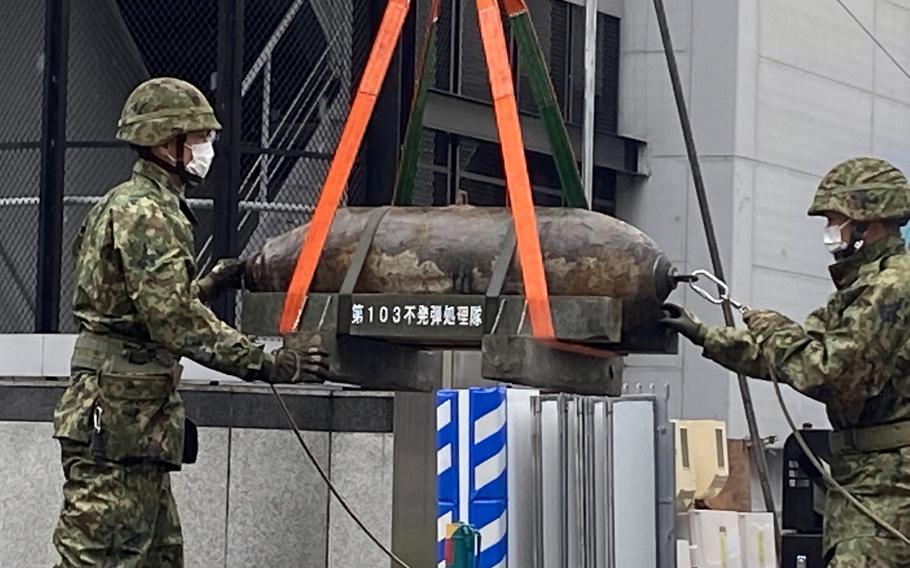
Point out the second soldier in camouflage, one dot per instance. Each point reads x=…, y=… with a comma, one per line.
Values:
x=853, y=354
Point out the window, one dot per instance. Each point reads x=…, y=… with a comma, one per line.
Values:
x=461, y=66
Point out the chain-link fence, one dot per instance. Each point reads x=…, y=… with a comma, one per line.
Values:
x=281, y=74
x=298, y=63
x=20, y=161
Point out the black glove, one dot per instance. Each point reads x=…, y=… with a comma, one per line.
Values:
x=226, y=275
x=682, y=321
x=293, y=366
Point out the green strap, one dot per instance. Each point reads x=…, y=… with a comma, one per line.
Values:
x=535, y=66
x=879, y=438
x=407, y=167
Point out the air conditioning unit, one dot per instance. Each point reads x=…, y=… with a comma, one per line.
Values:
x=756, y=532
x=715, y=539
x=685, y=475
x=704, y=444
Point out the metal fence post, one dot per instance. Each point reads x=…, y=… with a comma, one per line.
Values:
x=229, y=175
x=590, y=55
x=53, y=154
x=665, y=456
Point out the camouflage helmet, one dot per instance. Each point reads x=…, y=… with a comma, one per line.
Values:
x=162, y=108
x=864, y=189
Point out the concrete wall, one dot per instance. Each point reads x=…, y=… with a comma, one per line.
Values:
x=252, y=499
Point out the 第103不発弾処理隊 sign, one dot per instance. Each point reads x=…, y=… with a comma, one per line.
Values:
x=444, y=316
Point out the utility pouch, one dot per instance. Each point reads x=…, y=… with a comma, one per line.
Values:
x=190, y=442
x=141, y=418
x=98, y=443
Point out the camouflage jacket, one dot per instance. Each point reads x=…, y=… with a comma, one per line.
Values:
x=853, y=355
x=134, y=283
x=135, y=270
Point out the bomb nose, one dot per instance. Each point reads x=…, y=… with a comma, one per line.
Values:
x=666, y=277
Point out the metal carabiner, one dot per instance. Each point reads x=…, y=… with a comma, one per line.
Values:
x=722, y=287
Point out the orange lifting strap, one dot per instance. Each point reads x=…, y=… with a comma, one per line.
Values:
x=343, y=162
x=513, y=157
x=516, y=169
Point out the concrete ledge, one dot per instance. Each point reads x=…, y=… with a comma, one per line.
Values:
x=40, y=355
x=228, y=406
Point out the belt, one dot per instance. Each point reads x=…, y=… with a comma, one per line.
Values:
x=870, y=439
x=96, y=351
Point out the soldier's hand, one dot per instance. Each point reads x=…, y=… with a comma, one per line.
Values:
x=764, y=322
x=294, y=366
x=227, y=274
x=685, y=323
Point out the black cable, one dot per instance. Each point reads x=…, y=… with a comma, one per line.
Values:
x=757, y=447
x=330, y=485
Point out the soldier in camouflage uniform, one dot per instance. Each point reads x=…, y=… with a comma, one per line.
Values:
x=853, y=355
x=121, y=422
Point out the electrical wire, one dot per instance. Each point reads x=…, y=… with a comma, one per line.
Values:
x=829, y=480
x=330, y=485
x=873, y=38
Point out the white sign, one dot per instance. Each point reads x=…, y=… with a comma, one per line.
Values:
x=418, y=315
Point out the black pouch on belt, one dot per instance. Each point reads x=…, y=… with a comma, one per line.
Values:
x=190, y=442
x=98, y=445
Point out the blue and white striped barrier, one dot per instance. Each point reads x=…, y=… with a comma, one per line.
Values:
x=471, y=461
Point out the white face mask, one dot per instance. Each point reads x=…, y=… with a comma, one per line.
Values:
x=203, y=154
x=833, y=240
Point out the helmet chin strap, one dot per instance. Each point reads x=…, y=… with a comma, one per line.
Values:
x=179, y=167
x=856, y=241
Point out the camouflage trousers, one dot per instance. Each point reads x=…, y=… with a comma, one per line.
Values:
x=869, y=552
x=114, y=514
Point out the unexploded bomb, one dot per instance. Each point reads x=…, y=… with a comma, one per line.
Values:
x=445, y=250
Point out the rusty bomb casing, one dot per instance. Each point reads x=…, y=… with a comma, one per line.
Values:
x=452, y=250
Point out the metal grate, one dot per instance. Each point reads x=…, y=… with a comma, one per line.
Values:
x=22, y=66
x=299, y=64
x=540, y=15
x=606, y=105
x=18, y=238
x=302, y=62
x=299, y=76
